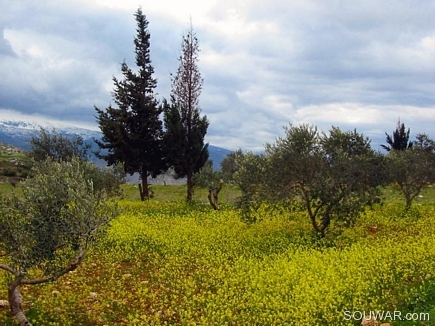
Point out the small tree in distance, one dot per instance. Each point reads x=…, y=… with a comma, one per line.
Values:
x=229, y=166
x=400, y=139
x=185, y=129
x=52, y=144
x=410, y=164
x=422, y=141
x=45, y=233
x=413, y=169
x=206, y=177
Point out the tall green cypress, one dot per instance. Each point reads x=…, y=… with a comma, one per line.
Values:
x=132, y=131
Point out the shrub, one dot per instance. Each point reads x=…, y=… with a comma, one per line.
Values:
x=9, y=172
x=45, y=233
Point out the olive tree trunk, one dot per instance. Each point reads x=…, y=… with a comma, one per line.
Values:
x=15, y=301
x=213, y=194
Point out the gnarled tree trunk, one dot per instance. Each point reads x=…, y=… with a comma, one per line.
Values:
x=213, y=194
x=15, y=302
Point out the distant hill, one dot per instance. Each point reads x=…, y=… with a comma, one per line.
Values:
x=217, y=154
x=18, y=133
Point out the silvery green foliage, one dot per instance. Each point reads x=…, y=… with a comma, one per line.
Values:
x=252, y=179
x=206, y=176
x=53, y=144
x=57, y=216
x=412, y=169
x=106, y=180
x=228, y=166
x=334, y=175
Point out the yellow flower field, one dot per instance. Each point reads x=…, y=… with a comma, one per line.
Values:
x=166, y=263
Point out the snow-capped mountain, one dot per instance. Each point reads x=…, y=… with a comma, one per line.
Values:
x=18, y=132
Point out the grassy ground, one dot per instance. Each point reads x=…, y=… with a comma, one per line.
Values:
x=228, y=194
x=393, y=193
x=14, y=166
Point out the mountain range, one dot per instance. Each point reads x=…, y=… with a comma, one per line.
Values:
x=18, y=132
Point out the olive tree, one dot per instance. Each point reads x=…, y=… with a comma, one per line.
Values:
x=229, y=166
x=107, y=180
x=46, y=231
x=56, y=146
x=333, y=174
x=413, y=168
x=206, y=177
x=252, y=180
x=53, y=144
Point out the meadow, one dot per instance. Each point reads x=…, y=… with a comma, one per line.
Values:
x=167, y=263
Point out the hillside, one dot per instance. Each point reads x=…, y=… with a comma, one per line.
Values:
x=15, y=136
x=14, y=164
x=18, y=133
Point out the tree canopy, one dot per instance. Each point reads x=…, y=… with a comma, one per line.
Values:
x=413, y=168
x=53, y=144
x=46, y=231
x=335, y=174
x=229, y=165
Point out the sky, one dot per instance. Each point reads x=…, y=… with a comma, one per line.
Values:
x=265, y=63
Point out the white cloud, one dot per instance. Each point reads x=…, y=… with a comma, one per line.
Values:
x=368, y=119
x=428, y=44
x=180, y=11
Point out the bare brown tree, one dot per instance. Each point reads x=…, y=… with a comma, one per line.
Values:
x=185, y=129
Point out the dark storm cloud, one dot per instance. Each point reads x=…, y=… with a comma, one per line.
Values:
x=353, y=64
x=66, y=56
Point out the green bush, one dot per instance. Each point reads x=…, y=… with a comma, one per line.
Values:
x=45, y=232
x=9, y=172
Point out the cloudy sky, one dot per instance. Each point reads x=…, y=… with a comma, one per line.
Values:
x=265, y=63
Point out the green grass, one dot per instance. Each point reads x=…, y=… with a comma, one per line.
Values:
x=393, y=193
x=14, y=166
x=228, y=194
x=6, y=188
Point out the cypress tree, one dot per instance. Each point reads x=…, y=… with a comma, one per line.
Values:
x=185, y=129
x=132, y=131
x=400, y=139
